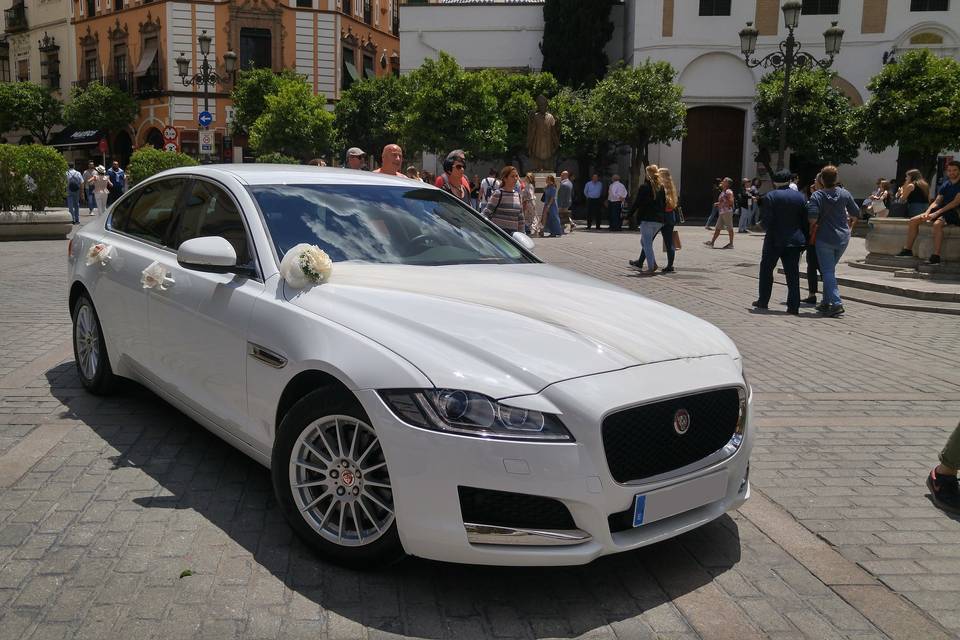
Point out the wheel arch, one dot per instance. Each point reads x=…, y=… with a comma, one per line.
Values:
x=307, y=382
x=77, y=289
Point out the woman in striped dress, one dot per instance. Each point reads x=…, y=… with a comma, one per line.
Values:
x=504, y=208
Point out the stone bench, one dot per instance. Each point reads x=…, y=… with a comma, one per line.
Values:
x=29, y=225
x=886, y=236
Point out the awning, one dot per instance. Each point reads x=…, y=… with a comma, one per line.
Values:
x=146, y=58
x=368, y=71
x=71, y=137
x=351, y=70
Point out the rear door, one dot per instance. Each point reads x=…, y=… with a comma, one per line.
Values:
x=199, y=322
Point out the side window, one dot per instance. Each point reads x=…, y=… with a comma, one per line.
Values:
x=153, y=210
x=120, y=214
x=209, y=211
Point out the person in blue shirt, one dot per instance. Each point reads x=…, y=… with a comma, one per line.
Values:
x=593, y=191
x=118, y=182
x=832, y=211
x=783, y=213
x=944, y=210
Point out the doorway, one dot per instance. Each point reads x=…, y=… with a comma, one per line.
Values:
x=712, y=149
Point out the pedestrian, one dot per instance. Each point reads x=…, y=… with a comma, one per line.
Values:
x=413, y=173
x=90, y=171
x=528, y=199
x=942, y=481
x=100, y=182
x=671, y=218
x=813, y=266
x=944, y=210
x=714, y=211
x=475, y=192
x=745, y=203
x=427, y=177
x=877, y=203
x=565, y=201
x=356, y=158
x=784, y=215
x=487, y=186
x=391, y=161
x=794, y=181
x=593, y=192
x=453, y=180
x=74, y=189
x=724, y=213
x=504, y=207
x=118, y=182
x=650, y=206
x=616, y=194
x=833, y=212
x=915, y=193
x=317, y=162
x=550, y=210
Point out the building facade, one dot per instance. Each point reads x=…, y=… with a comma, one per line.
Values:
x=700, y=39
x=134, y=45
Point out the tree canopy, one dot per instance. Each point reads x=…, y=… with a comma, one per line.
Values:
x=575, y=34
x=516, y=95
x=249, y=94
x=821, y=122
x=295, y=122
x=368, y=113
x=26, y=105
x=100, y=107
x=914, y=105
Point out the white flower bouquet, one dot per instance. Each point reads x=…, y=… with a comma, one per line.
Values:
x=100, y=252
x=153, y=276
x=306, y=264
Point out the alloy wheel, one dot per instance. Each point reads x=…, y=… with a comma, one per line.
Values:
x=86, y=336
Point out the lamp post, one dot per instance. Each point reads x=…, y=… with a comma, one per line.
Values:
x=787, y=57
x=208, y=74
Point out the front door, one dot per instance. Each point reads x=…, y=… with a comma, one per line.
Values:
x=713, y=148
x=199, y=322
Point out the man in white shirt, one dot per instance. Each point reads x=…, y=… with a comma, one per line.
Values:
x=487, y=186
x=793, y=182
x=616, y=194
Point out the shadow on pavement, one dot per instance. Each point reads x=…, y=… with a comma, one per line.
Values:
x=196, y=472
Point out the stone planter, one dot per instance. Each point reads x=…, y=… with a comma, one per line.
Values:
x=35, y=225
x=885, y=238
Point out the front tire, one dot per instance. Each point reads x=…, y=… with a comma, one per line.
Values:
x=90, y=349
x=331, y=481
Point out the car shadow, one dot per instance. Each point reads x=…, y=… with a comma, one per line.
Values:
x=197, y=477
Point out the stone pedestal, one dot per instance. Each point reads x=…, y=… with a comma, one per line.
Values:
x=32, y=225
x=886, y=236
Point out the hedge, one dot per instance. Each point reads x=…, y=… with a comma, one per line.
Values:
x=148, y=161
x=47, y=173
x=275, y=157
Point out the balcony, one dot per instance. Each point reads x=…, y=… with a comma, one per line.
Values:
x=145, y=86
x=16, y=18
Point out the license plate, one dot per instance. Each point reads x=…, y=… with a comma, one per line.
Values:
x=678, y=498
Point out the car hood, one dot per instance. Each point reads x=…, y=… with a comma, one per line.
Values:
x=507, y=330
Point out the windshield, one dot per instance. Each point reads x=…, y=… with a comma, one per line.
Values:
x=382, y=224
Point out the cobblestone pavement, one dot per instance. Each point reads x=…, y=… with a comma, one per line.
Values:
x=105, y=502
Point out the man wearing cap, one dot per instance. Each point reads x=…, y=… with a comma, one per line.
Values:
x=783, y=212
x=355, y=157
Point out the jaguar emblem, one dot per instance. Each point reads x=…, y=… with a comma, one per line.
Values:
x=681, y=421
x=347, y=478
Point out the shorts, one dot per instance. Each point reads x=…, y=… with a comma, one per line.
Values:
x=952, y=217
x=725, y=220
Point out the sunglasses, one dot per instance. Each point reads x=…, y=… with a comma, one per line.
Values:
x=459, y=166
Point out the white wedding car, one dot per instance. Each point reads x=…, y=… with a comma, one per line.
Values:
x=445, y=394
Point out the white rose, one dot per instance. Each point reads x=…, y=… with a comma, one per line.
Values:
x=152, y=277
x=99, y=252
x=317, y=261
x=305, y=264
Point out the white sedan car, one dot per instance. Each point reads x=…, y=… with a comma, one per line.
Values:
x=442, y=393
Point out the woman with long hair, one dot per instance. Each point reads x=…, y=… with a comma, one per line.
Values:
x=650, y=206
x=550, y=210
x=503, y=207
x=528, y=196
x=671, y=218
x=724, y=204
x=915, y=192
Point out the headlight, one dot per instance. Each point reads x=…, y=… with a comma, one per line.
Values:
x=473, y=414
x=745, y=394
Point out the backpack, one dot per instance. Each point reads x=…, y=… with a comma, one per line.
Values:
x=488, y=187
x=72, y=185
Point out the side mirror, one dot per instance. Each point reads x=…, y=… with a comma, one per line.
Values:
x=523, y=240
x=208, y=253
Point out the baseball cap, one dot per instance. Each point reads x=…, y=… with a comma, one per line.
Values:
x=355, y=151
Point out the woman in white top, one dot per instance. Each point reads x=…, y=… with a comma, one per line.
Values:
x=101, y=188
x=531, y=221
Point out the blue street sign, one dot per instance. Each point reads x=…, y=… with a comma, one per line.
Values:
x=205, y=118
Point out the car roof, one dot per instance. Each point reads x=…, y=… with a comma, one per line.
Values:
x=261, y=174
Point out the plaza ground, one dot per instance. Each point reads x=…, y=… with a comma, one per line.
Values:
x=104, y=503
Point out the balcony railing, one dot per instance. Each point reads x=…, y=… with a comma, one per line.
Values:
x=145, y=86
x=16, y=18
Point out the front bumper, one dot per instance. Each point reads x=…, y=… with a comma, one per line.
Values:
x=427, y=467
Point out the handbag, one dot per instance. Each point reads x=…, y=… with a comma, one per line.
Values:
x=879, y=209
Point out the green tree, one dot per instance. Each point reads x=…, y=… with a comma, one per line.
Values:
x=275, y=157
x=25, y=105
x=640, y=106
x=295, y=122
x=579, y=135
x=821, y=122
x=47, y=168
x=516, y=95
x=449, y=108
x=100, y=107
x=147, y=161
x=575, y=34
x=368, y=113
x=249, y=95
x=914, y=105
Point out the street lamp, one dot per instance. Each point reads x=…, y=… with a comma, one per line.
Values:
x=208, y=74
x=789, y=56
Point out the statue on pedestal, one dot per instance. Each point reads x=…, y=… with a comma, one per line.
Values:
x=543, y=137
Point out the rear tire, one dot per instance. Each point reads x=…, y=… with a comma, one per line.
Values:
x=331, y=481
x=90, y=349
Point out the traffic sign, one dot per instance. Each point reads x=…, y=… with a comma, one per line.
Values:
x=170, y=133
x=206, y=142
x=205, y=118
x=102, y=146
x=170, y=146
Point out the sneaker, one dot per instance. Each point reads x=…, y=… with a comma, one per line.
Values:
x=709, y=244
x=743, y=231
x=793, y=312
x=822, y=307
x=668, y=270
x=727, y=246
x=905, y=253
x=757, y=305
x=945, y=491
x=636, y=263
x=834, y=311
x=934, y=259
x=810, y=300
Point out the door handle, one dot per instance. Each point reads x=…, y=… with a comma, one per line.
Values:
x=166, y=283
x=156, y=276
